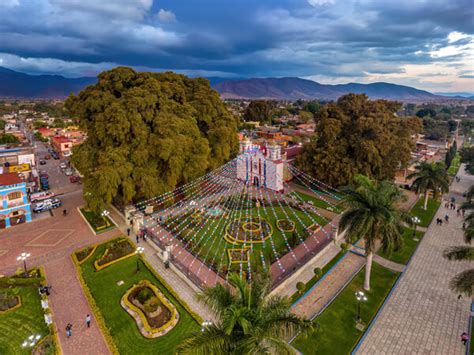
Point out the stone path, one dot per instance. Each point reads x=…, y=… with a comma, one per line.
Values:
x=317, y=299
x=70, y=306
x=422, y=316
x=388, y=263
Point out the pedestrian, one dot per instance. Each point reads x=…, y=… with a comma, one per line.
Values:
x=88, y=320
x=446, y=218
x=446, y=205
x=128, y=232
x=144, y=236
x=458, y=211
x=464, y=338
x=69, y=330
x=440, y=222
x=138, y=239
x=464, y=226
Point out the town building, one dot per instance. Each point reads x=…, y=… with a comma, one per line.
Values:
x=15, y=206
x=62, y=145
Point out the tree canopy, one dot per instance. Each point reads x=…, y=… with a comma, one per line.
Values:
x=358, y=136
x=259, y=110
x=148, y=133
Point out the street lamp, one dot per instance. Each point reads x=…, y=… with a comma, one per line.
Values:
x=31, y=341
x=205, y=324
x=105, y=213
x=415, y=220
x=139, y=251
x=360, y=296
x=23, y=257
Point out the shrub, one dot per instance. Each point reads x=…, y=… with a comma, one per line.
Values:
x=344, y=246
x=300, y=286
x=318, y=272
x=152, y=304
x=144, y=295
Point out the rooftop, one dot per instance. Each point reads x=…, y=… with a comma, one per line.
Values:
x=10, y=179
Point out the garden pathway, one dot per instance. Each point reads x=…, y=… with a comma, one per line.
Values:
x=322, y=294
x=70, y=306
x=422, y=316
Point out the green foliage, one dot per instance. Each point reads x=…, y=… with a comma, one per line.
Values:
x=3, y=123
x=152, y=304
x=300, y=286
x=467, y=157
x=8, y=138
x=318, y=272
x=144, y=295
x=39, y=124
x=344, y=246
x=430, y=177
x=259, y=111
x=249, y=322
x=148, y=133
x=358, y=136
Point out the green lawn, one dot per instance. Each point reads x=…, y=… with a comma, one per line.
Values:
x=123, y=328
x=455, y=164
x=314, y=279
x=337, y=333
x=98, y=224
x=408, y=248
x=425, y=216
x=208, y=238
x=17, y=325
x=471, y=347
x=315, y=201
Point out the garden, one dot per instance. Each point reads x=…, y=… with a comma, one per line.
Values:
x=329, y=204
x=261, y=233
x=135, y=308
x=410, y=243
x=99, y=224
x=337, y=333
x=22, y=322
x=427, y=215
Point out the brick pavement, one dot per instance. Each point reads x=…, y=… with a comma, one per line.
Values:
x=422, y=316
x=317, y=299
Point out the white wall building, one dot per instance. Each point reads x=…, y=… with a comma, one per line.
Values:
x=261, y=166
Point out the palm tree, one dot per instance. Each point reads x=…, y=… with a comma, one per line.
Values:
x=249, y=322
x=430, y=176
x=462, y=283
x=371, y=214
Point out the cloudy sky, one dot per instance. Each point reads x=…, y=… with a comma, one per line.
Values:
x=428, y=44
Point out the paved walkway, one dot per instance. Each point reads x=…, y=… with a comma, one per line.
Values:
x=317, y=299
x=422, y=316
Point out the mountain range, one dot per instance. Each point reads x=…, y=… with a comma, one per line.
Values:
x=17, y=85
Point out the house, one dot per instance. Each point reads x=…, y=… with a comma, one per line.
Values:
x=62, y=145
x=15, y=206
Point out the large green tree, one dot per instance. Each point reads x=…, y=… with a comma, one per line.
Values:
x=467, y=157
x=249, y=320
x=357, y=136
x=371, y=214
x=148, y=133
x=259, y=111
x=430, y=177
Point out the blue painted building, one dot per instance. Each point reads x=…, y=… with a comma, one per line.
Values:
x=14, y=205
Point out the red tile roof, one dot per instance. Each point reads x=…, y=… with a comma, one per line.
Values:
x=10, y=179
x=61, y=139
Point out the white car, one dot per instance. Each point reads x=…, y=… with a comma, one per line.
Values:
x=68, y=172
x=47, y=205
x=40, y=196
x=63, y=165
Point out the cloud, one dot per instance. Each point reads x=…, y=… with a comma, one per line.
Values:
x=134, y=9
x=321, y=2
x=166, y=16
x=9, y=3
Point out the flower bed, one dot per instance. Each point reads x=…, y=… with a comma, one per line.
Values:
x=248, y=230
x=154, y=314
x=9, y=302
x=285, y=225
x=99, y=224
x=236, y=256
x=83, y=254
x=116, y=250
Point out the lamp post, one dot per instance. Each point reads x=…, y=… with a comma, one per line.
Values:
x=31, y=341
x=205, y=324
x=23, y=257
x=415, y=220
x=360, y=296
x=139, y=251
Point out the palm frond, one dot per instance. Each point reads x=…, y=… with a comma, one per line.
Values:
x=459, y=253
x=211, y=340
x=463, y=283
x=218, y=298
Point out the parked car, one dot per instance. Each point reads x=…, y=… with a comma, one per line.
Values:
x=42, y=162
x=41, y=196
x=68, y=172
x=44, y=175
x=47, y=205
x=74, y=179
x=55, y=155
x=63, y=165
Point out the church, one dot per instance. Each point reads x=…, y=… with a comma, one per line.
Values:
x=261, y=166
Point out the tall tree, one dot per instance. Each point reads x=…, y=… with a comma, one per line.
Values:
x=358, y=136
x=148, y=133
x=467, y=157
x=249, y=320
x=259, y=111
x=429, y=177
x=371, y=214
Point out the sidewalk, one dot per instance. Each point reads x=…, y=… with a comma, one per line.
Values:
x=422, y=316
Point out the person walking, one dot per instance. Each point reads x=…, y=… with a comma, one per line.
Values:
x=88, y=320
x=128, y=232
x=464, y=338
x=68, y=330
x=446, y=218
x=138, y=239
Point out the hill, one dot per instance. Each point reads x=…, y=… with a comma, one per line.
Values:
x=296, y=88
x=14, y=84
